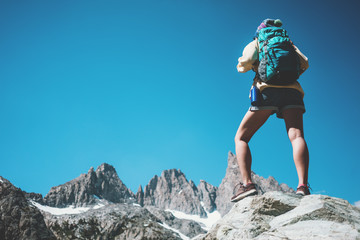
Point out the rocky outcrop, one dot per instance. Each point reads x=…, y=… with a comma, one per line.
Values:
x=18, y=218
x=103, y=183
x=173, y=191
x=115, y=221
x=169, y=191
x=187, y=227
x=140, y=196
x=157, y=212
x=277, y=215
x=230, y=185
x=37, y=197
x=207, y=193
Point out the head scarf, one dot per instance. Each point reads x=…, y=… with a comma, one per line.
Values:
x=268, y=23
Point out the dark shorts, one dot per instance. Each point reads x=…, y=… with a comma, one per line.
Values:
x=278, y=100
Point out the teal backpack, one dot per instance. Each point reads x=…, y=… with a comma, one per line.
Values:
x=278, y=61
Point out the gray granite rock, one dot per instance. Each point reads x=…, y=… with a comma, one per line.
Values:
x=114, y=221
x=230, y=184
x=103, y=183
x=140, y=196
x=187, y=227
x=207, y=193
x=37, y=197
x=278, y=215
x=144, y=215
x=173, y=191
x=19, y=219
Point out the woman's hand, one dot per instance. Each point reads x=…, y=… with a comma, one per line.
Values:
x=240, y=67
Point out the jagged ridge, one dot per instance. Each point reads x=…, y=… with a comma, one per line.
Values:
x=104, y=183
x=173, y=191
x=232, y=178
x=18, y=219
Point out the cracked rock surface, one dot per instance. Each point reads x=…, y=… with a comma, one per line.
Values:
x=116, y=221
x=277, y=215
x=18, y=219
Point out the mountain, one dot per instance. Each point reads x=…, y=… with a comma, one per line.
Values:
x=207, y=194
x=115, y=221
x=25, y=215
x=187, y=227
x=18, y=219
x=278, y=215
x=230, y=184
x=103, y=183
x=98, y=205
x=173, y=191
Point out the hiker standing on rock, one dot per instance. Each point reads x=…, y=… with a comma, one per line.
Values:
x=277, y=64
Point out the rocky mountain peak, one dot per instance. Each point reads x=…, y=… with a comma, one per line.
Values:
x=172, y=173
x=207, y=194
x=140, y=189
x=275, y=213
x=104, y=183
x=91, y=170
x=173, y=191
x=105, y=169
x=17, y=219
x=174, y=178
x=230, y=183
x=140, y=196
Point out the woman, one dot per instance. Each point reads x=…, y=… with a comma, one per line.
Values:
x=284, y=100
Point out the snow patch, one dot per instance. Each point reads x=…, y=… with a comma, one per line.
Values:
x=356, y=204
x=175, y=230
x=180, y=192
x=67, y=210
x=1, y=180
x=212, y=218
x=136, y=205
x=99, y=205
x=60, y=211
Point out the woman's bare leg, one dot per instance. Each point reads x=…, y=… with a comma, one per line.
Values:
x=294, y=126
x=251, y=122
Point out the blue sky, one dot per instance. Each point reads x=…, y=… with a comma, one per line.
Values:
x=152, y=85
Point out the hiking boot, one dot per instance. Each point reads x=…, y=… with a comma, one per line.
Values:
x=303, y=190
x=244, y=191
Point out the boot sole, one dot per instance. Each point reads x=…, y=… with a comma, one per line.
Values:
x=245, y=194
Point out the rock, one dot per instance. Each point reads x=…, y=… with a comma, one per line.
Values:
x=37, y=197
x=278, y=215
x=140, y=196
x=19, y=219
x=173, y=191
x=187, y=227
x=115, y=221
x=230, y=184
x=169, y=191
x=207, y=194
x=88, y=188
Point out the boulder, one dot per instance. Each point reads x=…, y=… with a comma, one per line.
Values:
x=277, y=215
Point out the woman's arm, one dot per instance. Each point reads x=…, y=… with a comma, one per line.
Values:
x=250, y=55
x=304, y=61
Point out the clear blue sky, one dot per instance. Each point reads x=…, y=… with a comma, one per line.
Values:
x=152, y=85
